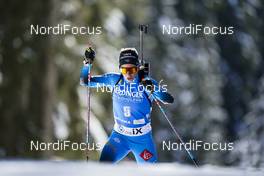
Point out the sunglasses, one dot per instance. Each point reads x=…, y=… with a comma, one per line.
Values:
x=130, y=70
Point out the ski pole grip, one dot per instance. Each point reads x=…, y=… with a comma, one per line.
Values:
x=143, y=28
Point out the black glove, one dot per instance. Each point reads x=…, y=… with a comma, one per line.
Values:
x=89, y=56
x=148, y=84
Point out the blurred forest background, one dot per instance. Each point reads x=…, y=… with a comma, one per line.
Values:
x=217, y=81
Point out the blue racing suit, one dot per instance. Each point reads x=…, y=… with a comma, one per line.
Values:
x=131, y=108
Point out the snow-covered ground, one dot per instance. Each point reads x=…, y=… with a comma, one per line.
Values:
x=74, y=168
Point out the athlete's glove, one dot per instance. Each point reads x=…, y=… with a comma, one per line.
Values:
x=89, y=56
x=148, y=84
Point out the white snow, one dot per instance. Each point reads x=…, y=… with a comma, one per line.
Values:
x=78, y=168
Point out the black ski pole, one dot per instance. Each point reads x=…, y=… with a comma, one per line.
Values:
x=89, y=56
x=175, y=131
x=146, y=68
x=88, y=116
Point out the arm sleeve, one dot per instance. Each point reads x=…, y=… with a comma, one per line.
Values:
x=161, y=93
x=108, y=79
